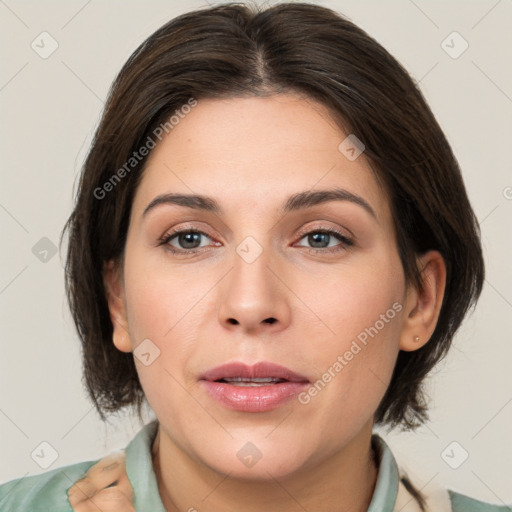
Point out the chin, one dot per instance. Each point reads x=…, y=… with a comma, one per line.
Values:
x=256, y=461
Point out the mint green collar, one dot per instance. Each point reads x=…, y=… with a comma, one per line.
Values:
x=139, y=467
x=386, y=487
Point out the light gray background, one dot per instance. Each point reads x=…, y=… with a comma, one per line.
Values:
x=49, y=110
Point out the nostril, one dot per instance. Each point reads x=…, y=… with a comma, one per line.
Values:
x=270, y=320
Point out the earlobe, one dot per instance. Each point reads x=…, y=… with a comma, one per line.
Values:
x=423, y=306
x=114, y=290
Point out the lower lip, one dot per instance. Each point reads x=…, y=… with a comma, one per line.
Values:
x=253, y=398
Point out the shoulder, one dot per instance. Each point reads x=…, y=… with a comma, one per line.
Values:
x=46, y=492
x=439, y=499
x=462, y=503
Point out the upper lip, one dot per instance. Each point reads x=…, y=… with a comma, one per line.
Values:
x=260, y=370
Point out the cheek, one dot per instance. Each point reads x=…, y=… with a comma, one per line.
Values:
x=353, y=298
x=159, y=298
x=161, y=307
x=361, y=317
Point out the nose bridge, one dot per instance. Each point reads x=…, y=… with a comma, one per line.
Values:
x=252, y=297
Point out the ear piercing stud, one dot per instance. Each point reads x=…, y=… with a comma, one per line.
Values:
x=416, y=338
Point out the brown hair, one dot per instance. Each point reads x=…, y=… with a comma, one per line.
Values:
x=235, y=50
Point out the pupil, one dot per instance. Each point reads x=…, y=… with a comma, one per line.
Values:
x=319, y=238
x=189, y=238
x=316, y=240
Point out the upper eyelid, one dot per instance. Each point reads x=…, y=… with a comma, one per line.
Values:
x=171, y=232
x=332, y=230
x=302, y=231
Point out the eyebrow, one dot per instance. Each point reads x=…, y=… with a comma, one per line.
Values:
x=295, y=202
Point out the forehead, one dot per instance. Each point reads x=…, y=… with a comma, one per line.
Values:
x=256, y=151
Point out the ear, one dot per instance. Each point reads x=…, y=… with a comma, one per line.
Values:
x=422, y=307
x=114, y=287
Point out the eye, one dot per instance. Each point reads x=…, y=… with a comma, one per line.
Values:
x=321, y=240
x=187, y=240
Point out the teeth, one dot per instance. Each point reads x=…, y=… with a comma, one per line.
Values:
x=246, y=381
x=250, y=384
x=253, y=379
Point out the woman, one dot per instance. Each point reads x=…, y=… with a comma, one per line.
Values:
x=273, y=246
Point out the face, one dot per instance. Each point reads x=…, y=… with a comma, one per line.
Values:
x=266, y=278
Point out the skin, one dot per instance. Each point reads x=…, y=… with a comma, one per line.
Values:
x=104, y=487
x=250, y=155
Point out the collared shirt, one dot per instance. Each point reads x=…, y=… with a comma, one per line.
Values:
x=47, y=492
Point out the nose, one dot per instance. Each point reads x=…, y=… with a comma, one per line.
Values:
x=254, y=297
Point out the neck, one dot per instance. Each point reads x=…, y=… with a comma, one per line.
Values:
x=343, y=482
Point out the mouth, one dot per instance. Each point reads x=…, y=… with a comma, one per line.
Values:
x=258, y=388
x=254, y=382
x=259, y=374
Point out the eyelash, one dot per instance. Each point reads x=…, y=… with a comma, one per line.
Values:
x=345, y=241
